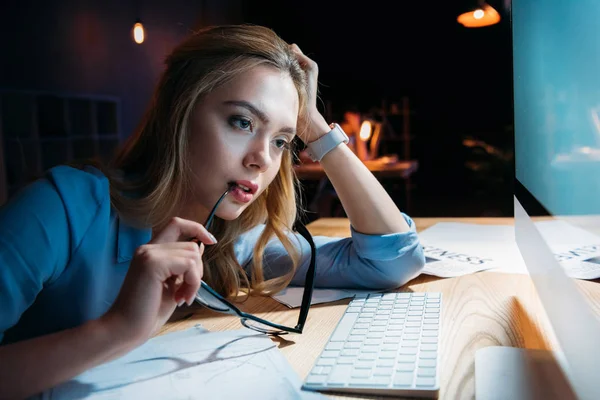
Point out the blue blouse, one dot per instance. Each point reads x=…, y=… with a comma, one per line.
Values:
x=64, y=253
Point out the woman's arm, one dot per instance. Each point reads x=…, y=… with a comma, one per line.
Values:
x=30, y=366
x=367, y=204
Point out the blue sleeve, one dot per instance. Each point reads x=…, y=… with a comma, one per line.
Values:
x=34, y=247
x=39, y=227
x=361, y=261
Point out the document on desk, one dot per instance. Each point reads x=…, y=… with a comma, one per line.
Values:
x=455, y=249
x=577, y=250
x=193, y=364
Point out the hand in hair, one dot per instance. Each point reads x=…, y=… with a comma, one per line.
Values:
x=164, y=273
x=314, y=126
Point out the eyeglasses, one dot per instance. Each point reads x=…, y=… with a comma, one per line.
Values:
x=212, y=300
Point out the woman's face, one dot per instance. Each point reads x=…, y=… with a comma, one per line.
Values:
x=239, y=133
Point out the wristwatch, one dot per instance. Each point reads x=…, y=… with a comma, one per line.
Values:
x=323, y=145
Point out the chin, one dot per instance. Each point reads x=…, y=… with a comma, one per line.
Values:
x=230, y=213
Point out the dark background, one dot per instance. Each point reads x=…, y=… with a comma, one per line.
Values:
x=458, y=80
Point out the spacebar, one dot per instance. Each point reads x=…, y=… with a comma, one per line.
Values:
x=344, y=326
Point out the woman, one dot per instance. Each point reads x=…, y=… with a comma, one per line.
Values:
x=95, y=260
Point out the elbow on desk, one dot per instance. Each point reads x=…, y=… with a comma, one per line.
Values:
x=396, y=273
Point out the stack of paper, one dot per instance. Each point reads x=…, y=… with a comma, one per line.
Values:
x=192, y=364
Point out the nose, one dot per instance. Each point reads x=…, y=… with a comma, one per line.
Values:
x=258, y=156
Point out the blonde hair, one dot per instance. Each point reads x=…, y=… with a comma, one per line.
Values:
x=155, y=158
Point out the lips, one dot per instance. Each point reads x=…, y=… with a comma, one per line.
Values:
x=247, y=186
x=243, y=191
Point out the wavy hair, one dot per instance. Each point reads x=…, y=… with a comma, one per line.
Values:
x=155, y=158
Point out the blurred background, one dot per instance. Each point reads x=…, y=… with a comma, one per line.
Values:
x=426, y=99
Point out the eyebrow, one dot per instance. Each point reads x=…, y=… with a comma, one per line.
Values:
x=258, y=113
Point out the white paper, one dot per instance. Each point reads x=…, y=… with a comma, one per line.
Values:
x=292, y=296
x=455, y=249
x=192, y=365
x=576, y=249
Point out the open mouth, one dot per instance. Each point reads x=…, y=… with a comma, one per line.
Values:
x=244, y=186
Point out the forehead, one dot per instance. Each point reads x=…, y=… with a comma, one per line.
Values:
x=267, y=88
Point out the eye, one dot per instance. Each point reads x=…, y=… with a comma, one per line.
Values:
x=282, y=144
x=242, y=123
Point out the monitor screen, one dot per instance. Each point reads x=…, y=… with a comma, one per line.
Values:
x=556, y=50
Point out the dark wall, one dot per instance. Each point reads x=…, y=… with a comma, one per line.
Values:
x=85, y=47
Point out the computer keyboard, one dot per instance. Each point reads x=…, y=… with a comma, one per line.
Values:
x=384, y=344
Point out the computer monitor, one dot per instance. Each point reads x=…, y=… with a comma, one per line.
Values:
x=556, y=50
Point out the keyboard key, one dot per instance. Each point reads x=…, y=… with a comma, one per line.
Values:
x=410, y=343
x=364, y=364
x=427, y=372
x=387, y=354
x=408, y=350
x=330, y=354
x=339, y=374
x=326, y=361
x=425, y=382
x=403, y=379
x=428, y=355
x=334, y=346
x=343, y=328
x=361, y=373
x=406, y=359
x=368, y=382
x=405, y=367
x=316, y=380
x=383, y=371
x=356, y=338
x=425, y=363
x=385, y=363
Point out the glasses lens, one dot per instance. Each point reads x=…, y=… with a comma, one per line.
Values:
x=206, y=298
x=260, y=327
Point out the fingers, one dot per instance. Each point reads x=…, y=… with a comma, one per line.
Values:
x=305, y=62
x=182, y=229
x=177, y=265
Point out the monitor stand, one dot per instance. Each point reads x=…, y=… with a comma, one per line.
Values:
x=519, y=374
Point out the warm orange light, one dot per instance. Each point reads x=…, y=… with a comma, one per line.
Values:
x=138, y=33
x=365, y=130
x=481, y=17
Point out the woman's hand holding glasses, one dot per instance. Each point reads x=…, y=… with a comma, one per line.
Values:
x=164, y=273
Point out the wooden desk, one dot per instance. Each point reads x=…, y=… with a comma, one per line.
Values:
x=480, y=310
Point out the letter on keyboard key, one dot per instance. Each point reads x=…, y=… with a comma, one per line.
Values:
x=344, y=327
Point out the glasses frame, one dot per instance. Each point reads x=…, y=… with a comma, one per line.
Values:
x=306, y=296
